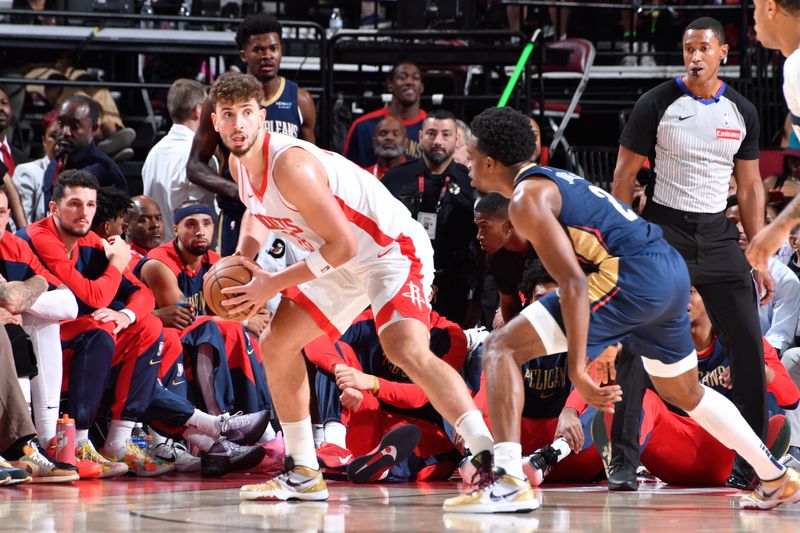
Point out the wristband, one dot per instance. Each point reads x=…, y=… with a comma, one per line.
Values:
x=317, y=264
x=130, y=314
x=376, y=386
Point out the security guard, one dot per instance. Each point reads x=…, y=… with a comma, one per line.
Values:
x=438, y=193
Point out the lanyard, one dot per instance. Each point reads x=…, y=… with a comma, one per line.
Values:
x=421, y=188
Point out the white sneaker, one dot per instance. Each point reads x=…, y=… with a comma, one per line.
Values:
x=506, y=494
x=295, y=483
x=177, y=454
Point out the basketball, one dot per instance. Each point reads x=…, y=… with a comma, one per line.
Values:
x=227, y=272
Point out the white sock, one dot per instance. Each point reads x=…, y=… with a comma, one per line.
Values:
x=81, y=435
x=561, y=446
x=119, y=433
x=473, y=428
x=205, y=377
x=319, y=434
x=508, y=456
x=205, y=422
x=336, y=433
x=156, y=438
x=25, y=386
x=717, y=415
x=198, y=439
x=46, y=421
x=299, y=438
x=46, y=386
x=268, y=436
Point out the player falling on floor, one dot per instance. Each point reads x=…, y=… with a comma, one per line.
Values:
x=364, y=249
x=618, y=281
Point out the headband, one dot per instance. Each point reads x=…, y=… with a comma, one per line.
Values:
x=194, y=209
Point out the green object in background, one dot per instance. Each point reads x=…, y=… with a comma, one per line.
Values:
x=512, y=82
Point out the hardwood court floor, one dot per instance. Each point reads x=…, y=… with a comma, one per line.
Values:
x=183, y=503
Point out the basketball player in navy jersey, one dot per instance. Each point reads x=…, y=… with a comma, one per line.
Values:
x=290, y=111
x=604, y=259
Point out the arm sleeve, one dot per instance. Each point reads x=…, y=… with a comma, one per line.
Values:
x=95, y=293
x=786, y=393
x=641, y=129
x=322, y=352
x=575, y=401
x=55, y=305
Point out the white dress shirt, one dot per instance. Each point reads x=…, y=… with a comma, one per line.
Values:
x=28, y=178
x=779, y=317
x=164, y=176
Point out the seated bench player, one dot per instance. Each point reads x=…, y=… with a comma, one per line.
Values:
x=702, y=460
x=174, y=411
x=359, y=389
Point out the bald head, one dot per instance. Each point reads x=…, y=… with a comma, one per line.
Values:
x=390, y=138
x=145, y=225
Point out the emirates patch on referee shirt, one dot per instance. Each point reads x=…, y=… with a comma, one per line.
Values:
x=733, y=135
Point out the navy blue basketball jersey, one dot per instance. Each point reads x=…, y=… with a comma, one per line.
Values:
x=602, y=229
x=190, y=282
x=547, y=386
x=283, y=112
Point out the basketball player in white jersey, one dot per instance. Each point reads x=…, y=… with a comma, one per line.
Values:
x=778, y=27
x=365, y=249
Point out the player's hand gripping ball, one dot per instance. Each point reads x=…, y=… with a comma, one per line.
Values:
x=227, y=272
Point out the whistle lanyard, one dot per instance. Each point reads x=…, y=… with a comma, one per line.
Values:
x=421, y=188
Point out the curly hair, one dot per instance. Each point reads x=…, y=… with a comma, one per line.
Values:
x=236, y=87
x=111, y=203
x=504, y=134
x=256, y=24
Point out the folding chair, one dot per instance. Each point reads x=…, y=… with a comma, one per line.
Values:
x=594, y=163
x=566, y=56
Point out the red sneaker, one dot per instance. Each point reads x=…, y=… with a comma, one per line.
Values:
x=333, y=460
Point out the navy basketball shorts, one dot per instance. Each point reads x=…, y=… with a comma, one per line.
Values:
x=646, y=310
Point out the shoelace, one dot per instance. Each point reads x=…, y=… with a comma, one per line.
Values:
x=483, y=476
x=234, y=421
x=39, y=459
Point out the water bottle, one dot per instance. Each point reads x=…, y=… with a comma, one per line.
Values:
x=139, y=437
x=147, y=11
x=65, y=440
x=335, y=23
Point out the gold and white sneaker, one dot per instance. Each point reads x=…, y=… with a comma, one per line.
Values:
x=495, y=491
x=770, y=494
x=295, y=483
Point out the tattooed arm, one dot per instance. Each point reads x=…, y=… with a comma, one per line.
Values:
x=18, y=296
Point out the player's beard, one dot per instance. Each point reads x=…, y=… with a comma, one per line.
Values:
x=390, y=153
x=74, y=232
x=239, y=152
x=198, y=250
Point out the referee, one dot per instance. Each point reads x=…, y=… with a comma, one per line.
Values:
x=698, y=132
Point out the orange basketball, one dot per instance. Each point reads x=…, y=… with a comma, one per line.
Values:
x=227, y=272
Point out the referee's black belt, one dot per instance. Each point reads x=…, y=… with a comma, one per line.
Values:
x=661, y=214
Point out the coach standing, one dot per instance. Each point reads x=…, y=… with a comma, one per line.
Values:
x=698, y=132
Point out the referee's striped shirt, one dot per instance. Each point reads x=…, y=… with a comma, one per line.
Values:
x=692, y=143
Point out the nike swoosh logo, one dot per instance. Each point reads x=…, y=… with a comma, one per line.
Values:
x=768, y=495
x=384, y=253
x=389, y=450
x=176, y=383
x=684, y=118
x=546, y=396
x=345, y=460
x=155, y=362
x=497, y=497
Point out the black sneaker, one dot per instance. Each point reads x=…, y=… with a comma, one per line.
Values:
x=226, y=456
x=394, y=448
x=742, y=476
x=537, y=465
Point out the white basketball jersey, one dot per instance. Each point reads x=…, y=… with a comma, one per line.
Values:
x=376, y=217
x=791, y=88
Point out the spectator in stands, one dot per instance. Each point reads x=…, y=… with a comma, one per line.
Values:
x=29, y=177
x=76, y=150
x=290, y=111
x=439, y=194
x=779, y=316
x=783, y=188
x=145, y=226
x=464, y=135
x=405, y=85
x=390, y=142
x=10, y=157
x=164, y=170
